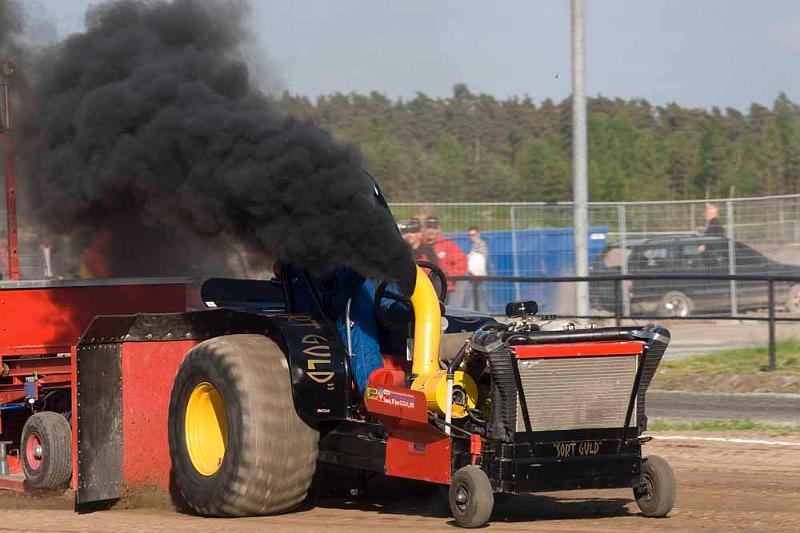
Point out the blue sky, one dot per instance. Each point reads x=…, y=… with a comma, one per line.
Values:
x=698, y=53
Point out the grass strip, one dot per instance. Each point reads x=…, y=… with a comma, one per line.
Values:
x=738, y=361
x=722, y=425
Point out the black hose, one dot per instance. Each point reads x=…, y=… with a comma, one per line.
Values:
x=569, y=336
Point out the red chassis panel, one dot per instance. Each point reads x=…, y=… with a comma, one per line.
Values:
x=419, y=452
x=415, y=449
x=148, y=371
x=578, y=349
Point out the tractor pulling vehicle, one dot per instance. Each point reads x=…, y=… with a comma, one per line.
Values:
x=264, y=395
x=234, y=408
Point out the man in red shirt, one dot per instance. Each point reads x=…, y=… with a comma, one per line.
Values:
x=450, y=259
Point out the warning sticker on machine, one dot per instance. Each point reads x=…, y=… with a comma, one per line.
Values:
x=391, y=397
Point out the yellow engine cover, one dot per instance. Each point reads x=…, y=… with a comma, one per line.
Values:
x=435, y=389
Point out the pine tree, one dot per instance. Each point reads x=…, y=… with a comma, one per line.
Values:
x=475, y=147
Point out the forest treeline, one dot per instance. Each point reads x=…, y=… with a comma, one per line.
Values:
x=474, y=147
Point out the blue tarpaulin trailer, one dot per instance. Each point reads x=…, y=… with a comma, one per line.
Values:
x=545, y=252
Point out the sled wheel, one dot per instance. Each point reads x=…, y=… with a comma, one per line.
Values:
x=46, y=450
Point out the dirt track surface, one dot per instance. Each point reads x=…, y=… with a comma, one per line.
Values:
x=721, y=487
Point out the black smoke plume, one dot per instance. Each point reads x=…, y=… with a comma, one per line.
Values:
x=12, y=25
x=150, y=117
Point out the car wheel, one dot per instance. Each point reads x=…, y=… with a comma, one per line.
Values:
x=793, y=300
x=675, y=304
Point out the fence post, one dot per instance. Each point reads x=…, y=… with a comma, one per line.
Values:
x=476, y=302
x=773, y=362
x=617, y=310
x=731, y=234
x=622, y=223
x=515, y=252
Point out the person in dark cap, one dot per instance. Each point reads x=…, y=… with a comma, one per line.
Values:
x=422, y=251
x=451, y=259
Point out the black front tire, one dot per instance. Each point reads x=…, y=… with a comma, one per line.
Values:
x=270, y=453
x=471, y=497
x=657, y=487
x=46, y=450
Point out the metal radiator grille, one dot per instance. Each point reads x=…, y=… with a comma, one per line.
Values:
x=576, y=392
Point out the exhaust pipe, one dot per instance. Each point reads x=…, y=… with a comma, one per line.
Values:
x=427, y=327
x=438, y=385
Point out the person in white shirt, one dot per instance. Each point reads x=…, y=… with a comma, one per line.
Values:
x=477, y=261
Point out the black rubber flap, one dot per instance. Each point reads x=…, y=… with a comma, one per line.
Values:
x=100, y=475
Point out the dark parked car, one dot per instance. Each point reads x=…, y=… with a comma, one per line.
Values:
x=690, y=255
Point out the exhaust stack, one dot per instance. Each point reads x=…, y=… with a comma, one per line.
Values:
x=427, y=327
x=428, y=377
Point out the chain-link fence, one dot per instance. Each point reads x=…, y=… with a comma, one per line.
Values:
x=750, y=236
x=717, y=236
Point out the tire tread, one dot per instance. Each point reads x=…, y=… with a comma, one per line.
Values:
x=277, y=456
x=56, y=435
x=666, y=487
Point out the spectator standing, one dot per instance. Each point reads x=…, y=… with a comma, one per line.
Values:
x=713, y=227
x=450, y=259
x=477, y=265
x=478, y=256
x=422, y=251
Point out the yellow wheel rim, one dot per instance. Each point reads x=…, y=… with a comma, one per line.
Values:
x=206, y=429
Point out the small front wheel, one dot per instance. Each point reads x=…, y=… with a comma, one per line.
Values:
x=471, y=497
x=656, y=493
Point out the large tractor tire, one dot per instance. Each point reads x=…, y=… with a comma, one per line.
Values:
x=46, y=450
x=237, y=445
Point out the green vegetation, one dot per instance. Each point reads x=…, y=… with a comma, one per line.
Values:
x=741, y=361
x=725, y=425
x=473, y=147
